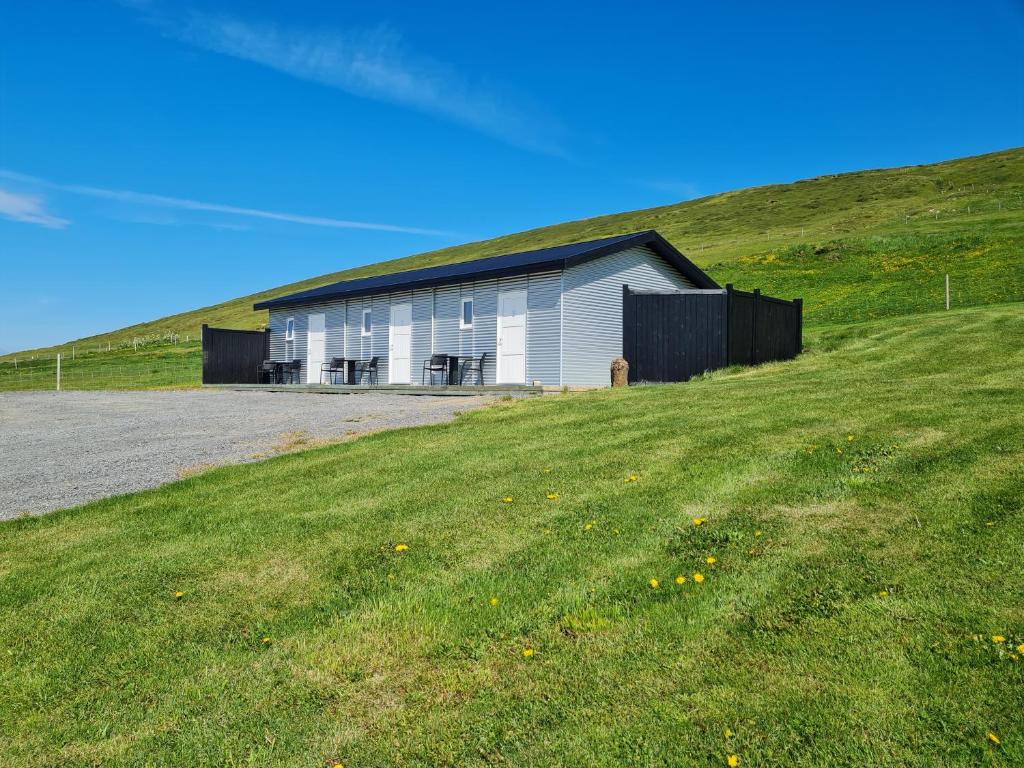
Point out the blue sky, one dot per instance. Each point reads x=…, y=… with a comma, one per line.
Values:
x=157, y=157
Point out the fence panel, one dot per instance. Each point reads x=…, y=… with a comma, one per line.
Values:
x=763, y=328
x=673, y=336
x=233, y=357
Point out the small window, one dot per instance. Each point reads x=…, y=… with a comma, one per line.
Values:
x=466, y=321
x=367, y=322
x=289, y=338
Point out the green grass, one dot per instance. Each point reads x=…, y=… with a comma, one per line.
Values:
x=854, y=630
x=895, y=232
x=153, y=366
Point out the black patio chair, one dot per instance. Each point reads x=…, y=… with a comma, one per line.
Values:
x=474, y=366
x=293, y=371
x=436, y=364
x=368, y=369
x=267, y=372
x=332, y=369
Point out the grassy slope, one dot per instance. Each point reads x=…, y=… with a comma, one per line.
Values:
x=893, y=233
x=382, y=658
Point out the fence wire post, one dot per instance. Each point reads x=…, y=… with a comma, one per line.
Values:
x=58, y=371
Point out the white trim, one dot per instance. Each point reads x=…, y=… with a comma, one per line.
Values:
x=463, y=325
x=362, y=322
x=561, y=327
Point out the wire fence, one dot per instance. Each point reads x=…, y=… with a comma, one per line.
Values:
x=126, y=369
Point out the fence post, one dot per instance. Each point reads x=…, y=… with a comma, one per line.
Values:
x=628, y=320
x=58, y=371
x=799, y=304
x=753, y=327
x=728, y=317
x=204, y=346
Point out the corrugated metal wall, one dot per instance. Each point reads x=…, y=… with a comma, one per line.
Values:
x=574, y=320
x=543, y=325
x=592, y=311
x=435, y=326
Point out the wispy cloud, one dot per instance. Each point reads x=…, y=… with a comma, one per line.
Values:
x=163, y=201
x=375, y=64
x=30, y=209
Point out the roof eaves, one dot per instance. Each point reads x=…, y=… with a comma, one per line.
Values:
x=308, y=297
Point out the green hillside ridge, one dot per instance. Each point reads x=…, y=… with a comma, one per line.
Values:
x=859, y=598
x=890, y=233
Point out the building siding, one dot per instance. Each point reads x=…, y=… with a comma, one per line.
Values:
x=543, y=328
x=422, y=331
x=485, y=326
x=573, y=321
x=435, y=326
x=592, y=309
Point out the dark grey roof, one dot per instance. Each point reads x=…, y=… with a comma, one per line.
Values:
x=557, y=257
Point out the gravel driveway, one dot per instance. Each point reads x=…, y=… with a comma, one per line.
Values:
x=60, y=449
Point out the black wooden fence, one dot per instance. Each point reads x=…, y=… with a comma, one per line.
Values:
x=673, y=336
x=233, y=357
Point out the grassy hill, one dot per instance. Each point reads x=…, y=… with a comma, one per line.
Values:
x=853, y=245
x=858, y=602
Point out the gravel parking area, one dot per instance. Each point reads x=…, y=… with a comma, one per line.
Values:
x=60, y=449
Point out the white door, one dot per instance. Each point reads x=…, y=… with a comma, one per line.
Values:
x=512, y=337
x=316, y=348
x=400, y=346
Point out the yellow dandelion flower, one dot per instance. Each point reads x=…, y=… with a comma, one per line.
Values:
x=507, y=500
x=757, y=533
x=178, y=595
x=653, y=583
x=631, y=478
x=698, y=521
x=680, y=579
x=990, y=523
x=849, y=438
x=992, y=737
x=839, y=450
x=710, y=560
x=883, y=593
x=727, y=733
x=998, y=639
x=547, y=469
x=493, y=601
x=401, y=547
x=527, y=653
x=588, y=526
x=266, y=641
x=1020, y=649
x=552, y=495
x=698, y=577
x=732, y=761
